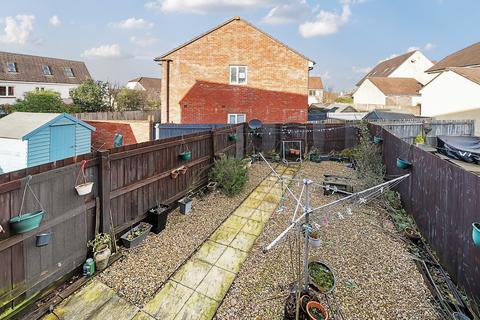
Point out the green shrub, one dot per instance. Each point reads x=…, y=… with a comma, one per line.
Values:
x=230, y=174
x=344, y=100
x=370, y=167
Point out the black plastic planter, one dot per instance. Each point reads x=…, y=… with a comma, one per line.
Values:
x=131, y=243
x=158, y=218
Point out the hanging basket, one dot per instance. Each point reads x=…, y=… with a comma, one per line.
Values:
x=377, y=140
x=26, y=222
x=232, y=137
x=186, y=155
x=403, y=164
x=476, y=233
x=84, y=188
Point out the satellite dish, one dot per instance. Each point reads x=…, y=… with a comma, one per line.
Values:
x=255, y=124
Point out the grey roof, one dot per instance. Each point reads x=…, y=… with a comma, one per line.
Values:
x=19, y=124
x=388, y=115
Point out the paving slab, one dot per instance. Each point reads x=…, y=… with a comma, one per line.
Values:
x=115, y=309
x=260, y=216
x=251, y=203
x=216, y=284
x=231, y=259
x=257, y=195
x=192, y=273
x=267, y=206
x=244, y=212
x=253, y=227
x=169, y=301
x=142, y=316
x=198, y=307
x=224, y=235
x=235, y=222
x=210, y=251
x=243, y=241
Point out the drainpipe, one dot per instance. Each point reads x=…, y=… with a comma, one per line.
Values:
x=168, y=90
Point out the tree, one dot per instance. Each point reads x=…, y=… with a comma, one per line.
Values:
x=42, y=101
x=91, y=96
x=130, y=100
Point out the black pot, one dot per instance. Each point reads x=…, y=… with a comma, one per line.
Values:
x=158, y=217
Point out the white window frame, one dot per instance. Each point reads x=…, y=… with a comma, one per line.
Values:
x=46, y=67
x=14, y=67
x=236, y=81
x=6, y=91
x=236, y=115
x=67, y=70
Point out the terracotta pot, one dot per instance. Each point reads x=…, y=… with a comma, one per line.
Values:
x=316, y=305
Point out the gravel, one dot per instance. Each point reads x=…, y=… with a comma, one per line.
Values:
x=143, y=270
x=376, y=277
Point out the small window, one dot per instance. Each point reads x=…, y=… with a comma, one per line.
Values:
x=46, y=70
x=238, y=74
x=69, y=72
x=234, y=118
x=12, y=67
x=311, y=93
x=3, y=91
x=11, y=91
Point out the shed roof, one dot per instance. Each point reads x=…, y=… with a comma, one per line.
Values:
x=20, y=125
x=397, y=86
x=469, y=56
x=388, y=115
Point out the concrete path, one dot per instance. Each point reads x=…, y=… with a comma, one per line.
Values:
x=197, y=288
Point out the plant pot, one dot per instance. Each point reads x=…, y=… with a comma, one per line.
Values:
x=322, y=277
x=26, y=222
x=101, y=258
x=476, y=233
x=84, y=188
x=314, y=242
x=316, y=311
x=403, y=164
x=186, y=155
x=377, y=140
x=232, y=137
x=174, y=174
x=412, y=234
x=185, y=205
x=43, y=239
x=183, y=169
x=212, y=186
x=460, y=316
x=158, y=217
x=295, y=152
x=133, y=242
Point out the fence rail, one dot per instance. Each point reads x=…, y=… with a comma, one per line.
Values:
x=443, y=199
x=128, y=181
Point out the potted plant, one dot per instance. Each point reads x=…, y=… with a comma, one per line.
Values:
x=316, y=311
x=476, y=234
x=314, y=238
x=26, y=222
x=412, y=234
x=85, y=187
x=232, y=137
x=186, y=155
x=377, y=139
x=321, y=276
x=136, y=235
x=101, y=250
x=403, y=164
x=158, y=217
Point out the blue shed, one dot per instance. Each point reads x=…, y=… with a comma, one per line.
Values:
x=30, y=139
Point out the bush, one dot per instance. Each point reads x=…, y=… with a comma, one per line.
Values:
x=41, y=101
x=368, y=156
x=230, y=174
x=344, y=100
x=90, y=96
x=130, y=100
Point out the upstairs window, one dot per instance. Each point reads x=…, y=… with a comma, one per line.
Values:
x=69, y=72
x=46, y=70
x=234, y=118
x=12, y=67
x=311, y=93
x=238, y=74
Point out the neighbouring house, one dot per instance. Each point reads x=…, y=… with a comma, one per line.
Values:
x=388, y=115
x=151, y=86
x=30, y=139
x=233, y=73
x=384, y=92
x=455, y=90
x=341, y=111
x=21, y=73
x=131, y=131
x=315, y=90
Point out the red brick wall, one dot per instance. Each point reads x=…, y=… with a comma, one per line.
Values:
x=271, y=67
x=208, y=102
x=102, y=138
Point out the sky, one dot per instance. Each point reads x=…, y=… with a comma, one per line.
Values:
x=118, y=39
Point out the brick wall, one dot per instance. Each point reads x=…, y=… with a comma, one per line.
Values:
x=102, y=138
x=208, y=102
x=271, y=67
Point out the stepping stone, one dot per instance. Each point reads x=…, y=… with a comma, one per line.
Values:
x=231, y=259
x=277, y=191
x=267, y=206
x=260, y=216
x=142, y=316
x=210, y=251
x=198, y=307
x=251, y=203
x=169, y=301
x=244, y=212
x=243, y=241
x=192, y=273
x=224, y=235
x=267, y=183
x=253, y=227
x=116, y=308
x=265, y=189
x=216, y=283
x=84, y=302
x=257, y=195
x=235, y=222
x=273, y=198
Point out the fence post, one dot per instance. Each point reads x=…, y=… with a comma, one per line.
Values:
x=214, y=145
x=104, y=189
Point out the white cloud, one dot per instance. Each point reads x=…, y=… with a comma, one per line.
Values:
x=143, y=41
x=429, y=46
x=103, y=51
x=55, y=21
x=361, y=69
x=410, y=49
x=286, y=13
x=17, y=29
x=203, y=6
x=326, y=22
x=132, y=23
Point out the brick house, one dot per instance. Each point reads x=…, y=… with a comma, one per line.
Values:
x=234, y=73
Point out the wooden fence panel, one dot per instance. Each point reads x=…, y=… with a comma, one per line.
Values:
x=121, y=115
